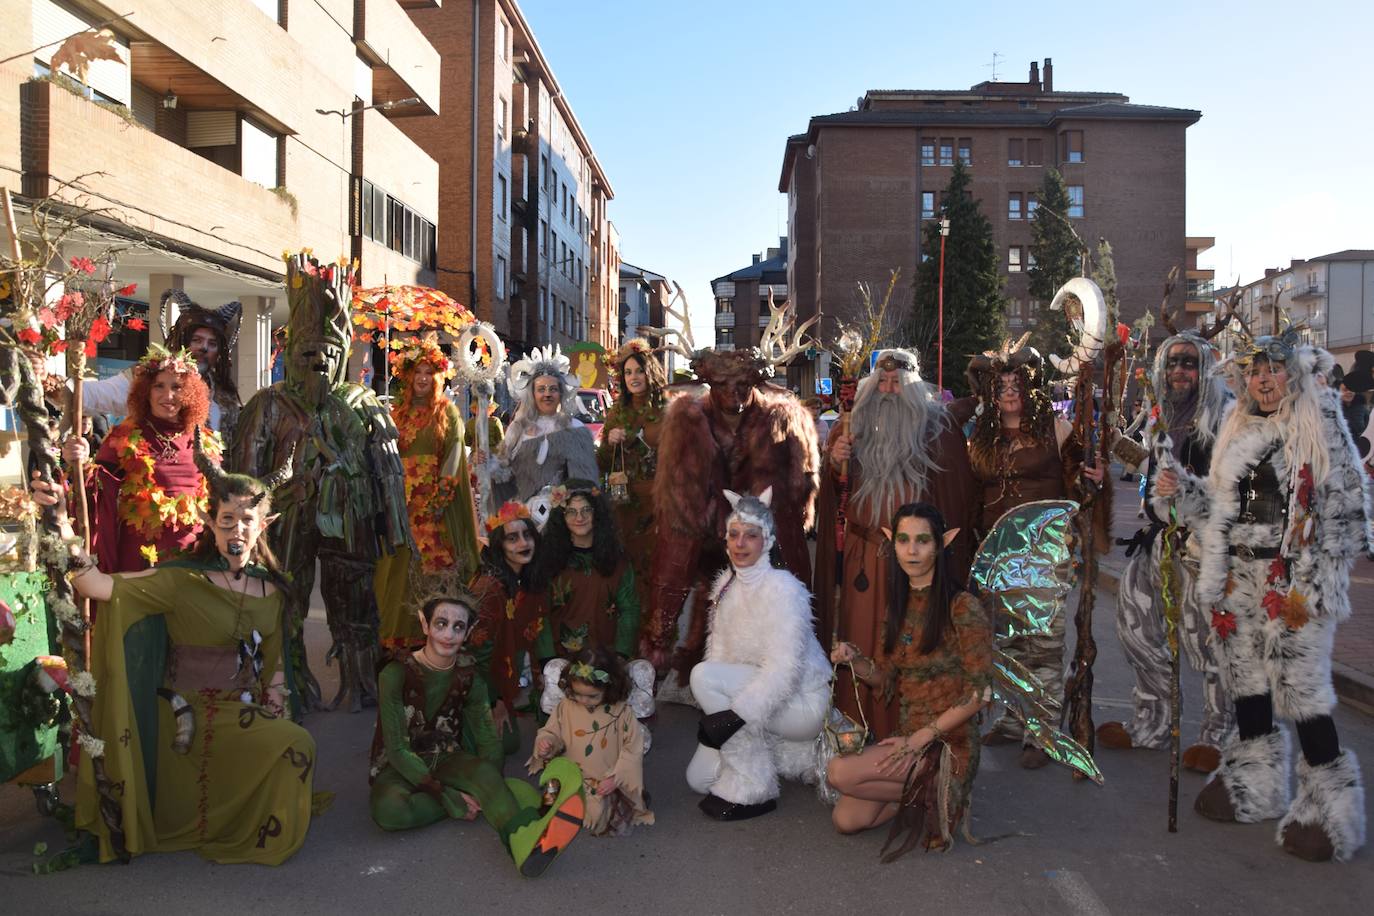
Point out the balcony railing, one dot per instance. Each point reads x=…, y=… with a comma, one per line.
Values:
x=725, y=319
x=1308, y=290
x=1199, y=291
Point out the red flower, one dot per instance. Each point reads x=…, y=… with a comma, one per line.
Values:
x=128, y=290
x=92, y=346
x=100, y=329
x=1224, y=623
x=29, y=336
x=1123, y=334
x=59, y=346
x=1154, y=412
x=135, y=324
x=1306, y=486
x=47, y=317
x=85, y=265
x=1273, y=604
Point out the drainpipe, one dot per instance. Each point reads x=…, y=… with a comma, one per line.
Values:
x=472, y=197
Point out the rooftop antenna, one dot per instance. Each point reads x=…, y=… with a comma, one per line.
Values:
x=995, y=58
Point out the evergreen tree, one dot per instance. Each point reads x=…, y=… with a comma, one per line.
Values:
x=973, y=287
x=1057, y=260
x=1104, y=275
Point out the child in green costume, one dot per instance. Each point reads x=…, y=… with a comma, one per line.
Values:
x=420, y=772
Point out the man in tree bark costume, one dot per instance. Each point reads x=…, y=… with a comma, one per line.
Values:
x=346, y=502
x=903, y=447
x=742, y=434
x=1192, y=401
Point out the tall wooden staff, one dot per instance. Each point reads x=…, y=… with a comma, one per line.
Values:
x=480, y=368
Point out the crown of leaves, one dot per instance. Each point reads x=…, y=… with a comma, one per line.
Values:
x=582, y=671
x=411, y=353
x=509, y=512
x=559, y=495
x=160, y=359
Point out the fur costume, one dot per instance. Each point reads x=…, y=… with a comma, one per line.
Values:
x=1140, y=614
x=774, y=445
x=764, y=626
x=1274, y=619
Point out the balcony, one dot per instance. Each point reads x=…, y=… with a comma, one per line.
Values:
x=397, y=164
x=1201, y=291
x=405, y=64
x=1304, y=291
x=147, y=182
x=725, y=319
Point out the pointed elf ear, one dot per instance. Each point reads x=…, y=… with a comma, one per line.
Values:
x=887, y=533
x=267, y=522
x=766, y=497
x=732, y=498
x=951, y=534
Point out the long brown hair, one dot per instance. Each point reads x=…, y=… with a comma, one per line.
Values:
x=942, y=586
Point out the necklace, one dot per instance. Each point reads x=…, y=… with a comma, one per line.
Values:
x=423, y=656
x=169, y=452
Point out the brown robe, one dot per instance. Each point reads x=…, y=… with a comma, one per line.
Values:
x=860, y=601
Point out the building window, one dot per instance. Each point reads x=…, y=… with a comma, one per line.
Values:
x=1014, y=259
x=1030, y=260
x=1035, y=152
x=1014, y=152
x=1073, y=145
x=966, y=150
x=927, y=152
x=543, y=238
x=927, y=205
x=258, y=154
x=544, y=307
x=1075, y=200
x=544, y=170
x=946, y=151
x=503, y=39
x=505, y=116
x=502, y=201
x=500, y=277
x=1031, y=205
x=1014, y=205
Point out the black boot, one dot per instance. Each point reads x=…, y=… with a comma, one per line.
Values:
x=722, y=810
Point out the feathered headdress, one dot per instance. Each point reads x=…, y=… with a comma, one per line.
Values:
x=538, y=362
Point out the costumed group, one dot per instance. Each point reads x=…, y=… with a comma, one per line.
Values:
x=568, y=595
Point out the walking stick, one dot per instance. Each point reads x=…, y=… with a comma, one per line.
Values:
x=1172, y=619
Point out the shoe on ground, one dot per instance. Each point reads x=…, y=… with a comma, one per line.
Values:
x=1308, y=841
x=1214, y=802
x=1201, y=758
x=1032, y=758
x=716, y=807
x=1114, y=735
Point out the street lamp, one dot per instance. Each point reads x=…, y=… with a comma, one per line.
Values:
x=940, y=329
x=380, y=106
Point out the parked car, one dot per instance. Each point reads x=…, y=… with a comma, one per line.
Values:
x=592, y=404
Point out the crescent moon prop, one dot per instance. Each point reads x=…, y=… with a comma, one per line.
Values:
x=1086, y=308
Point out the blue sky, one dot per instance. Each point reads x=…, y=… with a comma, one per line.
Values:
x=688, y=106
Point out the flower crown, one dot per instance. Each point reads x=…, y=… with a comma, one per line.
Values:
x=614, y=359
x=559, y=495
x=160, y=359
x=581, y=671
x=509, y=512
x=408, y=354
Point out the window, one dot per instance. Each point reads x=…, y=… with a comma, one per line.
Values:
x=553, y=245
x=563, y=259
x=1014, y=152
x=1014, y=259
x=544, y=170
x=927, y=205
x=543, y=238
x=258, y=154
x=1073, y=145
x=544, y=306
x=966, y=150
x=500, y=277
x=503, y=39
x=1030, y=260
x=505, y=116
x=946, y=151
x=1031, y=205
x=1035, y=152
x=927, y=152
x=1075, y=200
x=1014, y=200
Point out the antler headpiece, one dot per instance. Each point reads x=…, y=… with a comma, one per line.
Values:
x=221, y=481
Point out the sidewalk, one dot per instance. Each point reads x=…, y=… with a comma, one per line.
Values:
x=1352, y=663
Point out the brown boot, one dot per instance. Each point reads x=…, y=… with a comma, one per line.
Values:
x=1307, y=841
x=1214, y=802
x=1032, y=758
x=1114, y=736
x=1200, y=758
x=995, y=738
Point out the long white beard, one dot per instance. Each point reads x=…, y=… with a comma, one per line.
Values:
x=892, y=440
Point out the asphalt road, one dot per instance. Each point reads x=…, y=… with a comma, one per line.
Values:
x=1051, y=845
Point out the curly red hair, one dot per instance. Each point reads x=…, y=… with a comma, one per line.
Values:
x=195, y=395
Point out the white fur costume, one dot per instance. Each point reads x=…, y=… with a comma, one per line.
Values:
x=1272, y=651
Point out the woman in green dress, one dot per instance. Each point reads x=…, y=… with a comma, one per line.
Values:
x=220, y=768
x=421, y=774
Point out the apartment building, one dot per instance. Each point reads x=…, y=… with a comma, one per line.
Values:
x=527, y=239
x=741, y=308
x=643, y=296
x=862, y=184
x=228, y=132
x=1331, y=298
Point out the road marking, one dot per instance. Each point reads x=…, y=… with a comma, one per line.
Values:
x=1077, y=894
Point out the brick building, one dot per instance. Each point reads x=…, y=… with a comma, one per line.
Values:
x=861, y=184
x=643, y=295
x=227, y=132
x=741, y=308
x=527, y=241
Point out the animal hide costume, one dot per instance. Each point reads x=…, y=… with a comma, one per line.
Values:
x=1284, y=511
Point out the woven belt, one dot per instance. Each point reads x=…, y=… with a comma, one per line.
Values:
x=1246, y=552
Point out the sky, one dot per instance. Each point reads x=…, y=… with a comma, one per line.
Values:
x=688, y=107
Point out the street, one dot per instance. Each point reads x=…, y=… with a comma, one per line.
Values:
x=1051, y=845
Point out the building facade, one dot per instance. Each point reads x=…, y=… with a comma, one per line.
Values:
x=643, y=297
x=226, y=133
x=862, y=184
x=527, y=241
x=741, y=309
x=1331, y=298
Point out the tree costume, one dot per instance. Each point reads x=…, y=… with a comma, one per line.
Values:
x=419, y=768
x=763, y=686
x=605, y=742
x=919, y=455
x=1282, y=513
x=346, y=505
x=439, y=502
x=637, y=457
x=541, y=451
x=1192, y=423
